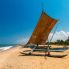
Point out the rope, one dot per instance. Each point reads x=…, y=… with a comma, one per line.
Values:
x=51, y=39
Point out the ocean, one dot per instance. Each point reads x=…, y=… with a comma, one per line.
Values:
x=4, y=47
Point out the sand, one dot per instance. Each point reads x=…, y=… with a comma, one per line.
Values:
x=12, y=59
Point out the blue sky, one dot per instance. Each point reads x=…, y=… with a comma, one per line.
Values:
x=18, y=18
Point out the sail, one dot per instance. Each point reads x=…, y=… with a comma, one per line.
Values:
x=42, y=29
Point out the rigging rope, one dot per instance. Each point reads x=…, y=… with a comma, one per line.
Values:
x=50, y=41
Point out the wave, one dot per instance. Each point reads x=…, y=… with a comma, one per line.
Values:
x=5, y=48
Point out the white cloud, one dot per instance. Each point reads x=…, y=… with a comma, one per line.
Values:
x=68, y=33
x=59, y=36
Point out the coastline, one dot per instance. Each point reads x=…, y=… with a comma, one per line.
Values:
x=12, y=59
x=6, y=48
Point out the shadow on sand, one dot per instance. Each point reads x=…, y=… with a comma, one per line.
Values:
x=44, y=55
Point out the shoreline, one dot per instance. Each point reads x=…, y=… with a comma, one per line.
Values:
x=6, y=48
x=12, y=59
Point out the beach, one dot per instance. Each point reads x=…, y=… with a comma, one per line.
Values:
x=13, y=59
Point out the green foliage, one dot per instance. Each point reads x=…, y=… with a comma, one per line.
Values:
x=61, y=42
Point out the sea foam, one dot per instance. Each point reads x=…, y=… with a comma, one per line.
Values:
x=5, y=48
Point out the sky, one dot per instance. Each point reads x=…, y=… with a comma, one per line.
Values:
x=18, y=18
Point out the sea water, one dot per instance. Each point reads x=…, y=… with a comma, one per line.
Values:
x=4, y=47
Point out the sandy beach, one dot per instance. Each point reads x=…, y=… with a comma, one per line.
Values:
x=12, y=59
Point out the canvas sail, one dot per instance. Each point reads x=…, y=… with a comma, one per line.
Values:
x=42, y=29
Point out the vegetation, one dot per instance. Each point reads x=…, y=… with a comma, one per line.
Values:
x=60, y=42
